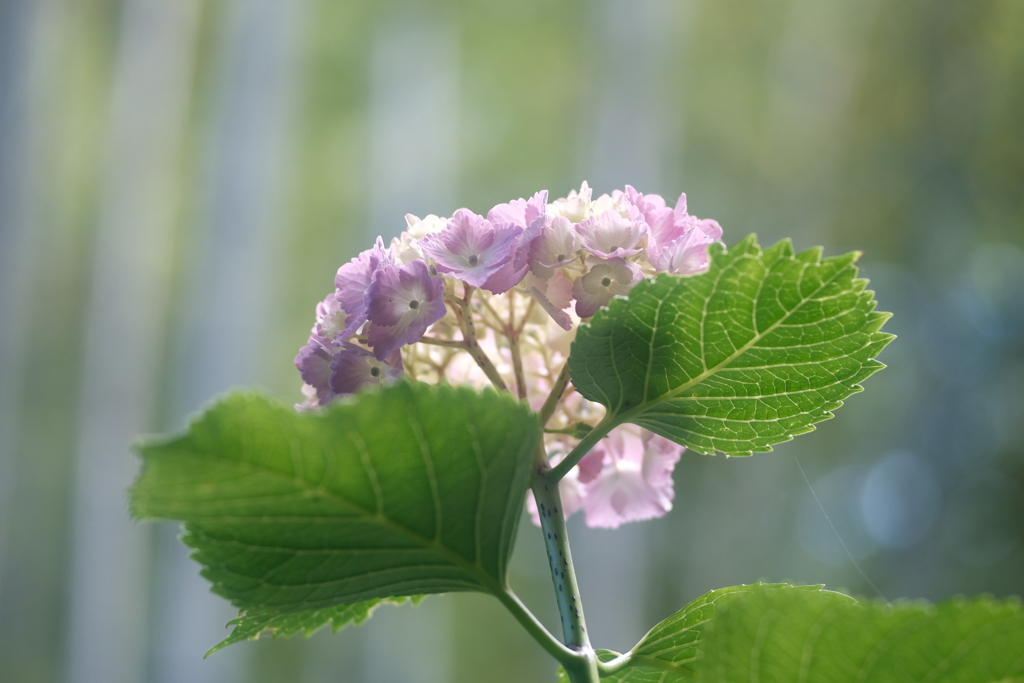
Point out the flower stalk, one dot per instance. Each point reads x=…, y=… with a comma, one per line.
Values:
x=583, y=667
x=555, y=395
x=464, y=313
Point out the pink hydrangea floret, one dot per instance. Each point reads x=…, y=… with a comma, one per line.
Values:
x=628, y=478
x=471, y=248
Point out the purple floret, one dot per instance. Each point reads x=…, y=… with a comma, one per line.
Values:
x=354, y=368
x=352, y=281
x=470, y=248
x=522, y=212
x=669, y=226
x=528, y=215
x=314, y=364
x=658, y=216
x=402, y=302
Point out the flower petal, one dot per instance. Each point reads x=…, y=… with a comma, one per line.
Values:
x=402, y=302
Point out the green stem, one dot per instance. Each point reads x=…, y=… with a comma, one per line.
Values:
x=557, y=389
x=569, y=431
x=536, y=629
x=583, y=667
x=582, y=448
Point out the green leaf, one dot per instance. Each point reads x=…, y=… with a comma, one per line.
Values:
x=770, y=634
x=669, y=651
x=409, y=490
x=746, y=355
x=285, y=625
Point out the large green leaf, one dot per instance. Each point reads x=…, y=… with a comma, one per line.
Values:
x=746, y=355
x=800, y=634
x=769, y=634
x=405, y=491
x=670, y=651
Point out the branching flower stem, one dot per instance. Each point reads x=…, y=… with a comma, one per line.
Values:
x=582, y=667
x=513, y=345
x=555, y=474
x=451, y=344
x=495, y=324
x=557, y=389
x=526, y=316
x=465, y=318
x=576, y=655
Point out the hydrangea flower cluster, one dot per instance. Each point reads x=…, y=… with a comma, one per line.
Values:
x=496, y=300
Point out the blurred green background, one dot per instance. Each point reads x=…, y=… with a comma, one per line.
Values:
x=179, y=181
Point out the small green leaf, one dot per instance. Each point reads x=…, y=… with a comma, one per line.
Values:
x=278, y=625
x=409, y=490
x=770, y=634
x=669, y=652
x=746, y=355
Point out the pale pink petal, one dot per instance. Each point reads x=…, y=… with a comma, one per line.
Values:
x=711, y=228
x=558, y=315
x=560, y=288
x=470, y=248
x=680, y=208
x=687, y=255
x=660, y=458
x=665, y=232
x=591, y=464
x=419, y=228
x=621, y=495
x=635, y=481
x=611, y=235
x=555, y=247
x=536, y=208
x=605, y=280
x=657, y=215
x=575, y=207
x=559, y=291
x=512, y=272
